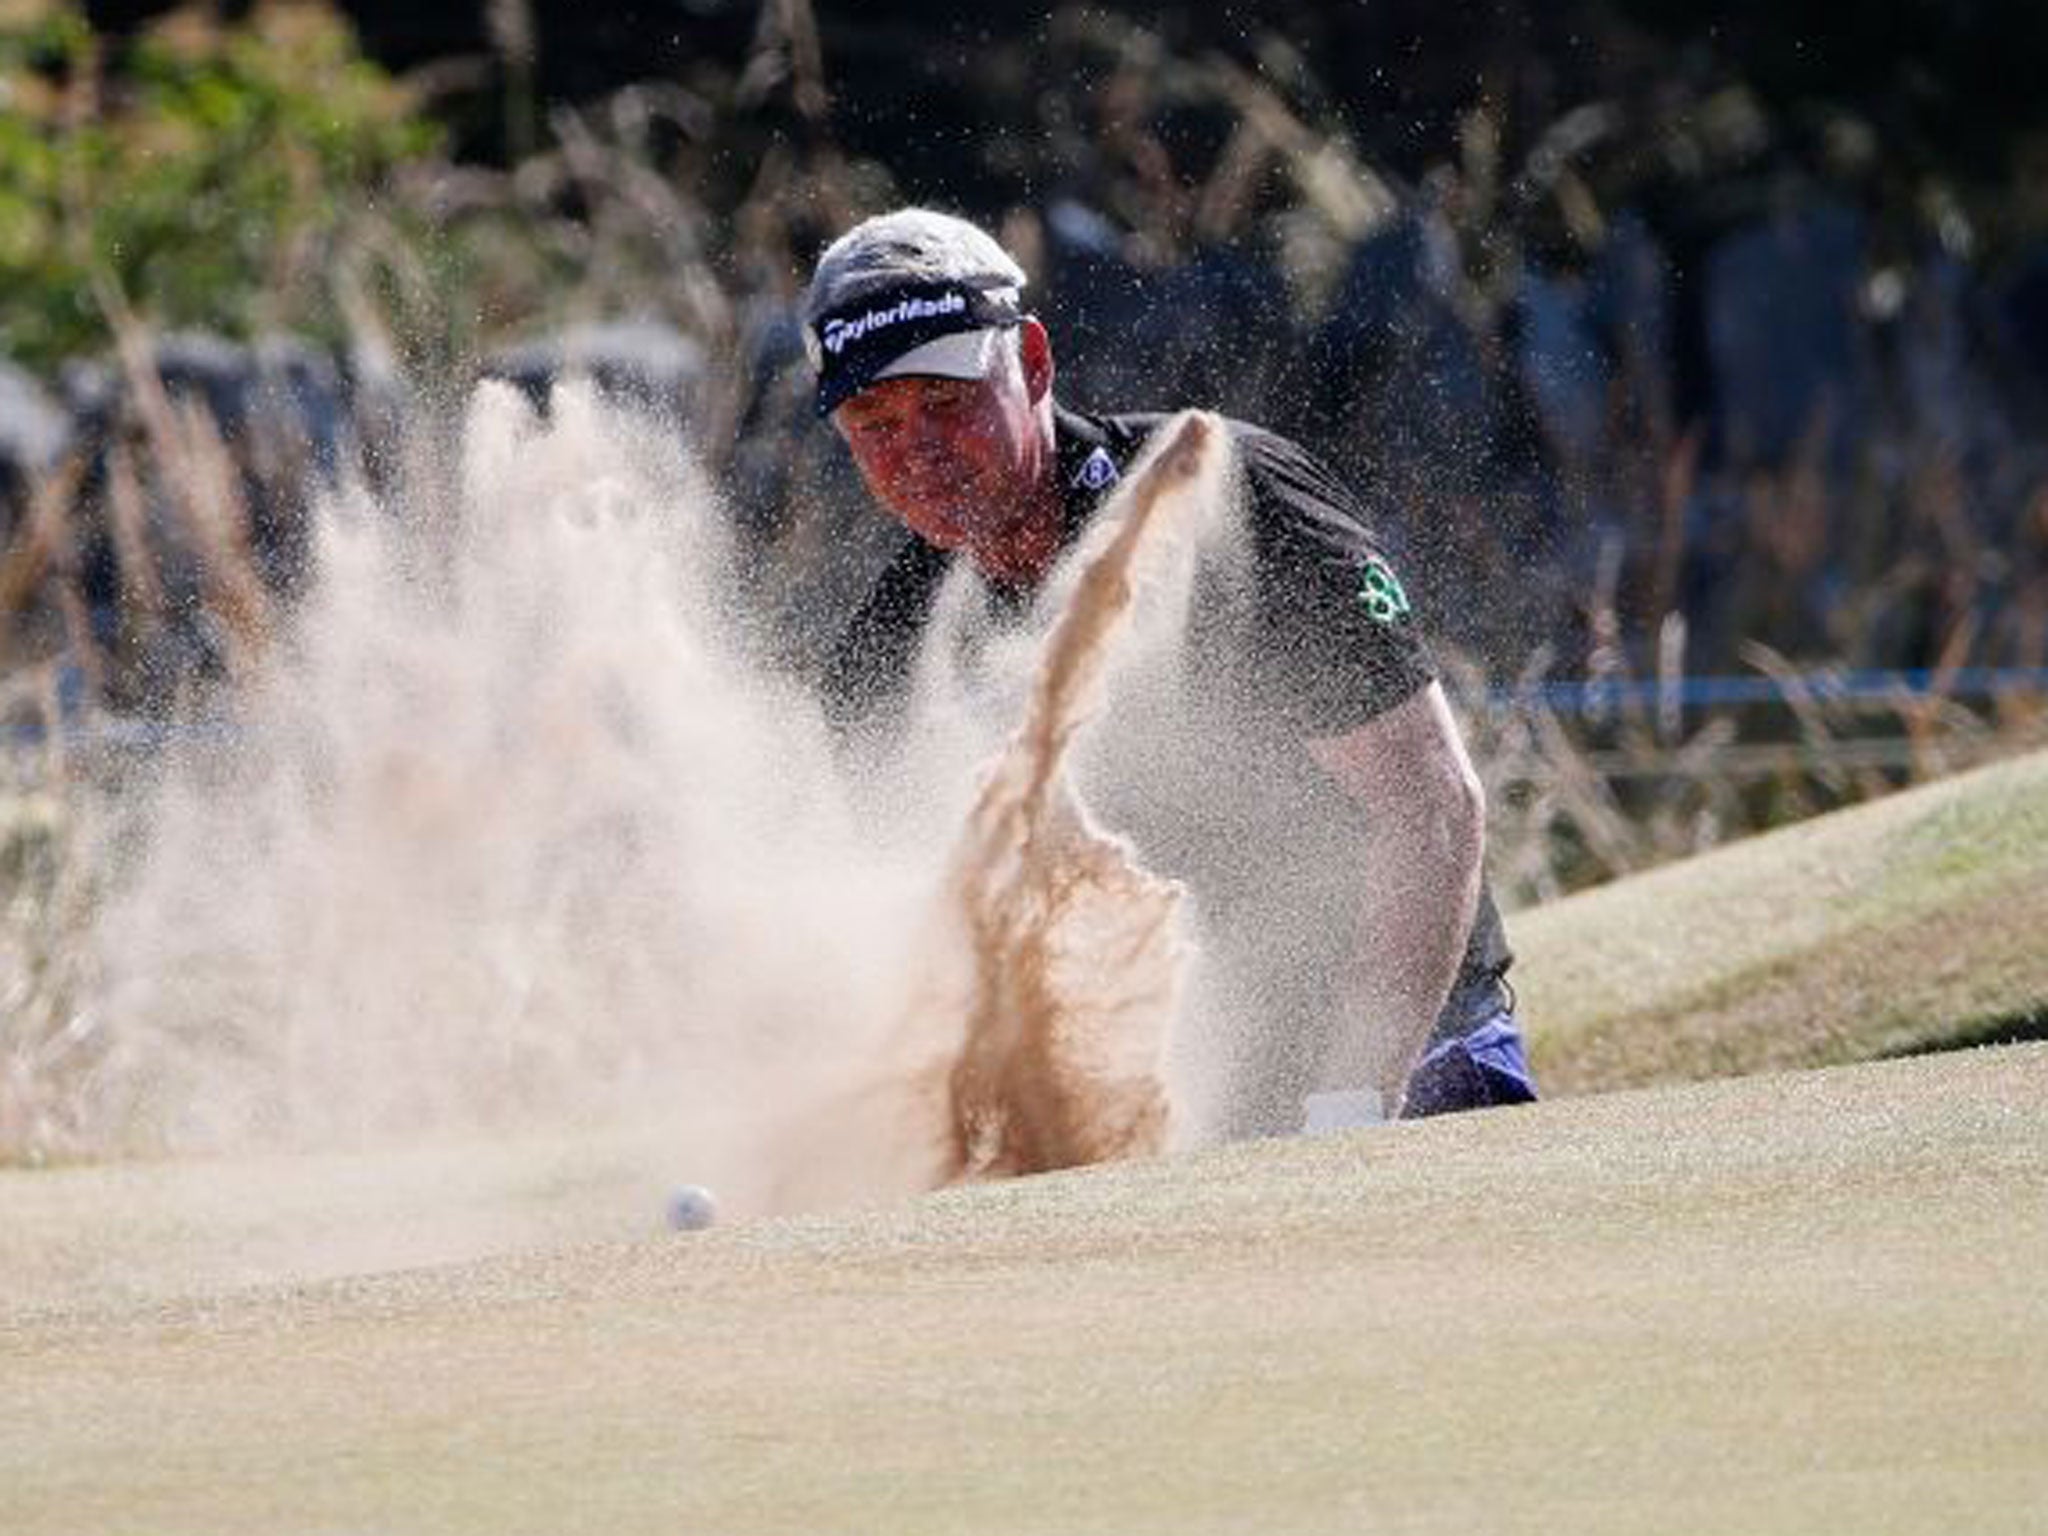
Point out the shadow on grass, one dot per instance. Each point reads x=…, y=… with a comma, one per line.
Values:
x=2010, y=1029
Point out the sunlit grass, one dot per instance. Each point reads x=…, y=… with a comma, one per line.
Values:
x=1883, y=928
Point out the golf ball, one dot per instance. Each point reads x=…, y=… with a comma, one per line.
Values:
x=692, y=1208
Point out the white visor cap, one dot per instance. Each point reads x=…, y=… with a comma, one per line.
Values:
x=962, y=355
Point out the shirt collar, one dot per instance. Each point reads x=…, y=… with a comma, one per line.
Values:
x=1088, y=466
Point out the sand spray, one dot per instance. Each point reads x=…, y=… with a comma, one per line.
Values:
x=516, y=829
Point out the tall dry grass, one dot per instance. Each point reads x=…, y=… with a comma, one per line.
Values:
x=1577, y=799
x=52, y=867
x=62, y=759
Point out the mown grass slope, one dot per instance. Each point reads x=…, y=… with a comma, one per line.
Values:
x=1780, y=1304
x=1898, y=925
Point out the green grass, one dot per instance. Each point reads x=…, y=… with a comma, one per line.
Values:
x=1775, y=1305
x=1886, y=928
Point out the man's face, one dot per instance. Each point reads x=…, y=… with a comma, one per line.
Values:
x=955, y=459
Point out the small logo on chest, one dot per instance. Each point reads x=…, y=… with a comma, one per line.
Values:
x=1097, y=471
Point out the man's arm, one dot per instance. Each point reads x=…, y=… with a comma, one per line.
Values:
x=1425, y=816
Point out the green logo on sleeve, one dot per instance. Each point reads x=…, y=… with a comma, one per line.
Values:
x=1385, y=601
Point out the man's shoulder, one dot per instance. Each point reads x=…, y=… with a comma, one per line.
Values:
x=1279, y=473
x=1093, y=449
x=1286, y=479
x=1127, y=432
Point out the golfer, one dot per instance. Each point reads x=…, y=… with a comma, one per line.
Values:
x=1365, y=812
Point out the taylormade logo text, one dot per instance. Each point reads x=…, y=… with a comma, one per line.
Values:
x=839, y=331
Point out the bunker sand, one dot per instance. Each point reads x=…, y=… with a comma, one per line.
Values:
x=1774, y=1304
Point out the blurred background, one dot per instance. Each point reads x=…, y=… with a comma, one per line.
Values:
x=1694, y=357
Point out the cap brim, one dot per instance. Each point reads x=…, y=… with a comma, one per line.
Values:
x=966, y=354
x=962, y=355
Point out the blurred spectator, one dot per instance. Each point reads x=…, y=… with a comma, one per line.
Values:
x=645, y=365
x=1790, y=364
x=34, y=431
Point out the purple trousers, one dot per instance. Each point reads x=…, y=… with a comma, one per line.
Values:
x=1476, y=1070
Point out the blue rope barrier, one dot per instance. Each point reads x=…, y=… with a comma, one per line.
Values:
x=1600, y=696
x=1583, y=697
